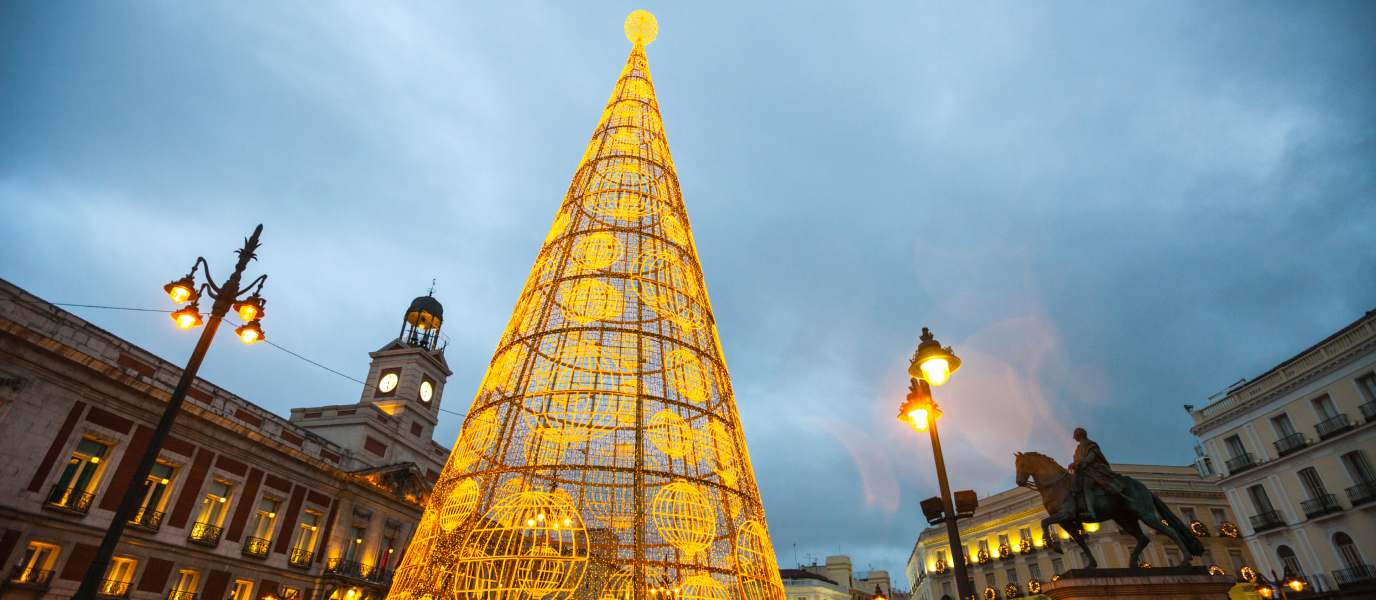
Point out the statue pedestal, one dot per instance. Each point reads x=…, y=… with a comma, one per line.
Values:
x=1164, y=583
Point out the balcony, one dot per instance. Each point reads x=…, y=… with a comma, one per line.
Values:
x=69, y=499
x=113, y=589
x=205, y=533
x=1369, y=411
x=1290, y=443
x=1362, y=493
x=1354, y=577
x=256, y=547
x=147, y=518
x=30, y=577
x=1334, y=426
x=355, y=570
x=301, y=558
x=1240, y=463
x=1270, y=519
x=1325, y=504
x=176, y=595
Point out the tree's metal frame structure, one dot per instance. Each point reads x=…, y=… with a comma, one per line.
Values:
x=602, y=458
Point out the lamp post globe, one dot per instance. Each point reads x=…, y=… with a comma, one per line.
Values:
x=931, y=362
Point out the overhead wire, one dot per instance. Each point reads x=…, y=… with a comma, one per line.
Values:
x=226, y=318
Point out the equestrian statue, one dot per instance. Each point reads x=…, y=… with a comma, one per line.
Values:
x=1090, y=492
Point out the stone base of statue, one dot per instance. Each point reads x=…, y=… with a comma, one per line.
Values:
x=1161, y=583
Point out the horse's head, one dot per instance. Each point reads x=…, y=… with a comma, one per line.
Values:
x=1031, y=464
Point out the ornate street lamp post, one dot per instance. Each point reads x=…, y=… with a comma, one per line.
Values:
x=183, y=290
x=933, y=365
x=1275, y=587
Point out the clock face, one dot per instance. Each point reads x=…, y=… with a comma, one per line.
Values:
x=426, y=391
x=388, y=383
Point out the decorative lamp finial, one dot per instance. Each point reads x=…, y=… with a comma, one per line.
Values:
x=641, y=27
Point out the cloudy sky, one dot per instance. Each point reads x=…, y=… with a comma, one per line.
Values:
x=1108, y=209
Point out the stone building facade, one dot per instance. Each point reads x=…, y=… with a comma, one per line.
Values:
x=1293, y=450
x=836, y=580
x=993, y=539
x=243, y=504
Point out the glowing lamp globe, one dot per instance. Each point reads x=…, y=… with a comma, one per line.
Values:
x=250, y=308
x=250, y=333
x=932, y=362
x=181, y=290
x=188, y=317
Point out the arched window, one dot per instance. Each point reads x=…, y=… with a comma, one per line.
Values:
x=1289, y=561
x=1348, y=551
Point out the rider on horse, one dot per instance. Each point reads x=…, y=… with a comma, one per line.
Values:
x=1089, y=461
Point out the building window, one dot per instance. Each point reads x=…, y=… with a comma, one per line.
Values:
x=301, y=550
x=1235, y=559
x=243, y=590
x=941, y=555
x=1012, y=575
x=1057, y=566
x=1289, y=561
x=1235, y=447
x=1034, y=571
x=1325, y=407
x=212, y=512
x=1348, y=551
x=991, y=581
x=154, y=496
x=946, y=589
x=1187, y=515
x=290, y=593
x=1367, y=383
x=384, y=552
x=353, y=550
x=37, y=566
x=1261, y=503
x=75, y=487
x=185, y=586
x=1312, y=484
x=1283, y=426
x=1025, y=534
x=117, y=577
x=1218, y=515
x=1358, y=468
x=261, y=528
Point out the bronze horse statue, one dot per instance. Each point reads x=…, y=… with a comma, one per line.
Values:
x=1137, y=503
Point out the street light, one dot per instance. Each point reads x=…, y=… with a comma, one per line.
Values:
x=182, y=290
x=933, y=365
x=1275, y=588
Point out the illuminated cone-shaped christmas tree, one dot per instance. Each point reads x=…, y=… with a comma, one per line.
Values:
x=603, y=457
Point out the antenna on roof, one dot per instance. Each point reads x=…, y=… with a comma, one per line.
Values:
x=432, y=287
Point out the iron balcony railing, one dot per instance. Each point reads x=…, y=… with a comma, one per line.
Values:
x=113, y=589
x=205, y=533
x=147, y=519
x=1369, y=411
x=1363, y=574
x=1290, y=443
x=1334, y=426
x=256, y=547
x=70, y=499
x=1362, y=493
x=1240, y=463
x=356, y=570
x=1327, y=503
x=30, y=577
x=301, y=558
x=1270, y=519
x=176, y=595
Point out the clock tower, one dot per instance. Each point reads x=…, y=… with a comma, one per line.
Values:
x=395, y=417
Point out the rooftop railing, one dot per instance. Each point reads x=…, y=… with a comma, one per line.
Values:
x=1334, y=426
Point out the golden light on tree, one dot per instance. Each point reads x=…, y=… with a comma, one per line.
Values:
x=602, y=458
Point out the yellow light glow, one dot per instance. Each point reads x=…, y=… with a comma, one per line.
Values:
x=358, y=541
x=95, y=460
x=179, y=294
x=249, y=336
x=641, y=27
x=1297, y=585
x=937, y=371
x=186, y=321
x=389, y=550
x=222, y=499
x=272, y=515
x=1091, y=527
x=248, y=312
x=918, y=419
x=165, y=481
x=1264, y=591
